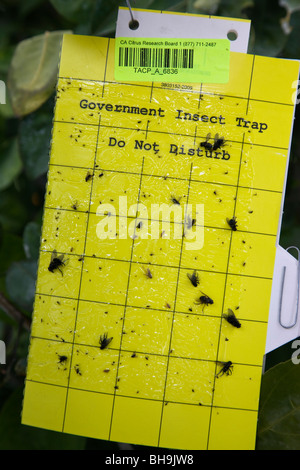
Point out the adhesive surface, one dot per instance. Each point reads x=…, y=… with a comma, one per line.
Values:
x=123, y=347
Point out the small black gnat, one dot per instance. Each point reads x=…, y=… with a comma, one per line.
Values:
x=227, y=368
x=148, y=273
x=77, y=370
x=104, y=341
x=194, y=278
x=231, y=318
x=232, y=223
x=56, y=262
x=88, y=176
x=189, y=222
x=175, y=200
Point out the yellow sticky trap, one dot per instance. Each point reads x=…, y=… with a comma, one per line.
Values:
x=153, y=229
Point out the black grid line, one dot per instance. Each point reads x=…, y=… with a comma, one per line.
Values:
x=143, y=398
x=176, y=178
x=200, y=96
x=155, y=309
x=195, y=136
x=250, y=84
x=105, y=68
x=143, y=352
x=214, y=227
x=85, y=240
x=126, y=297
x=235, y=201
x=151, y=93
x=184, y=268
x=172, y=325
x=224, y=295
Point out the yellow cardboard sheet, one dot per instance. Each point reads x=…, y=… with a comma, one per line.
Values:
x=117, y=150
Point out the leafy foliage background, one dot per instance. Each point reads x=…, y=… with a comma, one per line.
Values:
x=25, y=133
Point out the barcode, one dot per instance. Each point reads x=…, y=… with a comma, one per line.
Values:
x=157, y=57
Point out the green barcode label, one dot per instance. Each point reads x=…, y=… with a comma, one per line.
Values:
x=172, y=60
x=156, y=58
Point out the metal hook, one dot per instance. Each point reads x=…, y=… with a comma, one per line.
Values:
x=133, y=24
x=297, y=295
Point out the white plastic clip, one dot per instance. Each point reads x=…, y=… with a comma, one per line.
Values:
x=297, y=293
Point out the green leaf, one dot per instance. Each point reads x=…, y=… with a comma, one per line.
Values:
x=33, y=71
x=31, y=240
x=234, y=8
x=207, y=7
x=269, y=35
x=10, y=163
x=25, y=8
x=16, y=436
x=290, y=5
x=77, y=11
x=34, y=138
x=105, y=23
x=279, y=412
x=20, y=283
x=6, y=110
x=13, y=210
x=11, y=249
x=102, y=17
x=292, y=46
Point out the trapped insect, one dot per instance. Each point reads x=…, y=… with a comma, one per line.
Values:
x=227, y=368
x=207, y=145
x=104, y=341
x=148, y=273
x=88, y=176
x=189, y=222
x=231, y=318
x=204, y=300
x=194, y=278
x=77, y=370
x=56, y=262
x=232, y=223
x=62, y=359
x=218, y=142
x=175, y=200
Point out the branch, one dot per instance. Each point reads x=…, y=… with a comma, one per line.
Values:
x=14, y=313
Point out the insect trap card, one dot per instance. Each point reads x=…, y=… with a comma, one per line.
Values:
x=158, y=243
